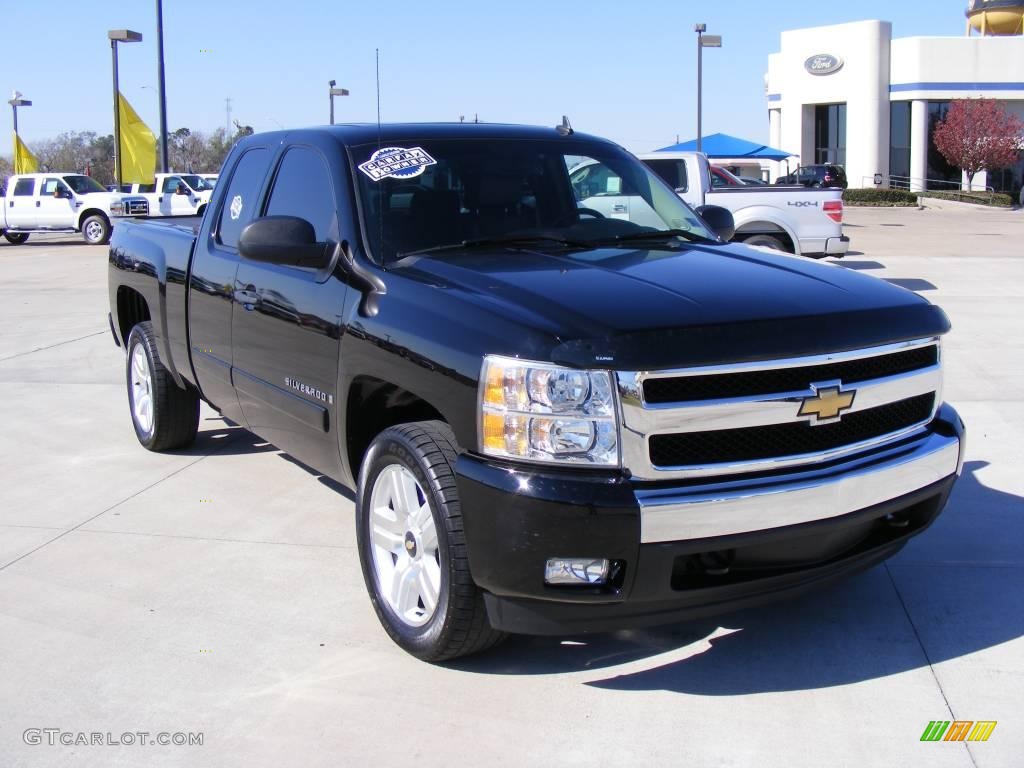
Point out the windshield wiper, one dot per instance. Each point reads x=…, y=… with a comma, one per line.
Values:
x=512, y=240
x=657, y=234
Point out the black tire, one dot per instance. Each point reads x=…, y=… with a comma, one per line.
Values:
x=459, y=624
x=96, y=229
x=767, y=241
x=175, y=411
x=201, y=211
x=16, y=238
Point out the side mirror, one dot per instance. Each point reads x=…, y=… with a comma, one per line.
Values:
x=286, y=240
x=719, y=219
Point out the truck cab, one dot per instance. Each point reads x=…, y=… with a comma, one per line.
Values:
x=58, y=202
x=175, y=194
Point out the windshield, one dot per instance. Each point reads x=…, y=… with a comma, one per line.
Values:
x=83, y=185
x=428, y=194
x=197, y=183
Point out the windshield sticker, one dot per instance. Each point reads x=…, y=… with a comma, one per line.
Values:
x=236, y=207
x=396, y=163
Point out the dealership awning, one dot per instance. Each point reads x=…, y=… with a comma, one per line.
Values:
x=721, y=145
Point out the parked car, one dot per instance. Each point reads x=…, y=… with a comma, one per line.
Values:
x=517, y=384
x=750, y=180
x=58, y=202
x=175, y=194
x=805, y=222
x=720, y=177
x=816, y=176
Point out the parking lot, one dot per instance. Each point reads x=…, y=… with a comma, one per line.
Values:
x=217, y=590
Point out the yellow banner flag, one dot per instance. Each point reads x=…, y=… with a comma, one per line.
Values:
x=138, y=146
x=24, y=161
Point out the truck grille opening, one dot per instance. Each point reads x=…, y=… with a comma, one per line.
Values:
x=792, y=439
x=679, y=389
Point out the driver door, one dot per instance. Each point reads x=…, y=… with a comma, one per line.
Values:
x=55, y=205
x=172, y=203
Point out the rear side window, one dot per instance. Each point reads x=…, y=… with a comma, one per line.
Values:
x=24, y=187
x=303, y=188
x=240, y=201
x=673, y=172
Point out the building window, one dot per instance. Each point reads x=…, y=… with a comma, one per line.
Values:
x=899, y=143
x=941, y=175
x=830, y=133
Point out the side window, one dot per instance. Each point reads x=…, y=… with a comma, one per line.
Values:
x=24, y=187
x=147, y=187
x=596, y=180
x=49, y=187
x=170, y=185
x=303, y=188
x=240, y=201
x=673, y=172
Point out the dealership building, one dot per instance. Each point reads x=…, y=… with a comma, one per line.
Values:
x=851, y=94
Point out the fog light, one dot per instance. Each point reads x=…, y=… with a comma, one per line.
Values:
x=576, y=570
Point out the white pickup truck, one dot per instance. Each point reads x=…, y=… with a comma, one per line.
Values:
x=807, y=222
x=174, y=194
x=60, y=202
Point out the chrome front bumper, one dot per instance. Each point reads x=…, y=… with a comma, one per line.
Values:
x=745, y=506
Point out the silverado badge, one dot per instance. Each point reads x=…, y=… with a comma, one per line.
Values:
x=827, y=403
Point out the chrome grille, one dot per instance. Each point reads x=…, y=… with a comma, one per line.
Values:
x=747, y=417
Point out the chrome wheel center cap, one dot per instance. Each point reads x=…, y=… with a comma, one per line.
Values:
x=410, y=545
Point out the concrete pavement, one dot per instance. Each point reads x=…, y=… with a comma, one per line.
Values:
x=217, y=590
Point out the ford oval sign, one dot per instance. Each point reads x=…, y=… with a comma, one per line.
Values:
x=823, y=64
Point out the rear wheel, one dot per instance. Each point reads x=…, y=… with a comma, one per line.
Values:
x=96, y=230
x=767, y=241
x=412, y=547
x=16, y=238
x=164, y=415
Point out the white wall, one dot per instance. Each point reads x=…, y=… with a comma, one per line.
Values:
x=862, y=84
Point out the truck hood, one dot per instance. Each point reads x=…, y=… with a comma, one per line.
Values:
x=639, y=308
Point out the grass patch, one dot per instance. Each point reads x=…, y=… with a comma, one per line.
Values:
x=994, y=199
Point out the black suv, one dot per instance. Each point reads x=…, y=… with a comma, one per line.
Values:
x=816, y=176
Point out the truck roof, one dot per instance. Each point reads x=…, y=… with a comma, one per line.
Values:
x=364, y=133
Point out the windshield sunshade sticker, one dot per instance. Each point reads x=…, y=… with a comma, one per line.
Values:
x=397, y=163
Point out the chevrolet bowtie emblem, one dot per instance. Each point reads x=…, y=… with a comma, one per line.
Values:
x=827, y=404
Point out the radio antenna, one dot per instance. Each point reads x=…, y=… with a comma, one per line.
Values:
x=379, y=140
x=380, y=144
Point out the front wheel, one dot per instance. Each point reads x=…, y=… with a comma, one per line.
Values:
x=96, y=230
x=164, y=415
x=16, y=238
x=412, y=547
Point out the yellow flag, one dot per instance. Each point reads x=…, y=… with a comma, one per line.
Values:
x=24, y=161
x=138, y=146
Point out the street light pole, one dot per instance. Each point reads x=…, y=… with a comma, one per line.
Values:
x=711, y=41
x=16, y=101
x=332, y=92
x=119, y=36
x=161, y=84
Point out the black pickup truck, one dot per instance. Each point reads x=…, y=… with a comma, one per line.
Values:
x=557, y=421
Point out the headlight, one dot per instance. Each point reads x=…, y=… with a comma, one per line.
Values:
x=540, y=412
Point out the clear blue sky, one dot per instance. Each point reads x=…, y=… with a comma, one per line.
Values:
x=625, y=70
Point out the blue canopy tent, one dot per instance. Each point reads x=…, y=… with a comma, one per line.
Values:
x=721, y=145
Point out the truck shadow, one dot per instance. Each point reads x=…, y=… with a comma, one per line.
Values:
x=949, y=587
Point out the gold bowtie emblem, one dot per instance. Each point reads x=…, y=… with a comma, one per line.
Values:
x=827, y=404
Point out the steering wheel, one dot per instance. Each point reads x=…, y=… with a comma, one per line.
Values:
x=591, y=212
